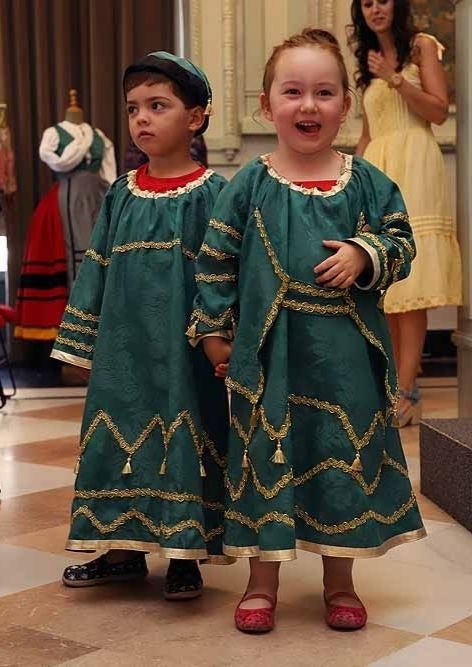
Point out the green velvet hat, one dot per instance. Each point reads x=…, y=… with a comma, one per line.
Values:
x=183, y=72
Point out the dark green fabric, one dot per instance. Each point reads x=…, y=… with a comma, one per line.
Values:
x=94, y=161
x=128, y=313
x=319, y=357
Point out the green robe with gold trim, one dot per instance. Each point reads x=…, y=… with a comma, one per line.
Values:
x=313, y=459
x=150, y=473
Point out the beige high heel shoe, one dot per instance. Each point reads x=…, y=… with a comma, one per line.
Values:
x=410, y=416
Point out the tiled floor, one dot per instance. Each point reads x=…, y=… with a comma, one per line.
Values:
x=419, y=596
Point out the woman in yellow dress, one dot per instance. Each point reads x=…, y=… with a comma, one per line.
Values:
x=403, y=91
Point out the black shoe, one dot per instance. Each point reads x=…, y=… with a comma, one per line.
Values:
x=183, y=580
x=100, y=571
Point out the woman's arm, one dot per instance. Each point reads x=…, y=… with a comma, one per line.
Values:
x=431, y=102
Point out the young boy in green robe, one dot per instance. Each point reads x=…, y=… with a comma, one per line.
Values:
x=150, y=466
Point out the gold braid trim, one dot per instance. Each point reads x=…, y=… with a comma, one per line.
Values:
x=279, y=272
x=373, y=340
x=79, y=328
x=150, y=194
x=401, y=239
x=251, y=396
x=81, y=314
x=256, y=525
x=310, y=290
x=158, y=530
x=226, y=229
x=213, y=252
x=383, y=252
x=210, y=446
x=173, y=496
x=345, y=526
x=216, y=277
x=93, y=254
x=312, y=308
x=358, y=441
x=219, y=321
x=75, y=344
x=236, y=492
x=147, y=245
x=399, y=215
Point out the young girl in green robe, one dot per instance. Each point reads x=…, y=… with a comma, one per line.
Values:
x=150, y=467
x=301, y=245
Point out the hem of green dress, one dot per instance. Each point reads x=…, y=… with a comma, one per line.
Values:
x=150, y=547
x=324, y=549
x=71, y=359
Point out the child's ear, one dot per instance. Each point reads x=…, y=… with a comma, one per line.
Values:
x=347, y=106
x=196, y=118
x=265, y=106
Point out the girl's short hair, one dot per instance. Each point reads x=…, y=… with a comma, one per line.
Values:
x=308, y=37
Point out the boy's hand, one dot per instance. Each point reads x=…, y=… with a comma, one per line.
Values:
x=343, y=267
x=218, y=351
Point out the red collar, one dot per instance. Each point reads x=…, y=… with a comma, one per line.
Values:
x=146, y=182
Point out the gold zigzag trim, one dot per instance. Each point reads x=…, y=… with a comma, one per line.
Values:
x=158, y=530
x=214, y=252
x=345, y=526
x=75, y=344
x=277, y=517
x=167, y=434
x=328, y=529
x=79, y=328
x=93, y=254
x=358, y=441
x=226, y=229
x=325, y=293
x=82, y=314
x=210, y=446
x=401, y=239
x=279, y=272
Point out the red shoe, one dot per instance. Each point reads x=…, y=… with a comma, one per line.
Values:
x=344, y=617
x=256, y=621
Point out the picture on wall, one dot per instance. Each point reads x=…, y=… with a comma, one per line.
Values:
x=436, y=17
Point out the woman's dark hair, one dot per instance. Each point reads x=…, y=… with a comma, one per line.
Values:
x=362, y=39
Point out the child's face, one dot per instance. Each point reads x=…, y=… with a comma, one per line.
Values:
x=306, y=102
x=159, y=123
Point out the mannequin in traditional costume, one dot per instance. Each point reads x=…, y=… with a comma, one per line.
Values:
x=7, y=166
x=300, y=245
x=150, y=467
x=83, y=160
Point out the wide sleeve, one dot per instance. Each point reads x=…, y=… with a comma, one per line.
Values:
x=384, y=232
x=217, y=266
x=72, y=155
x=75, y=342
x=108, y=166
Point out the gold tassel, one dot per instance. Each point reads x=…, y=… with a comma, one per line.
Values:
x=278, y=456
x=77, y=466
x=357, y=464
x=127, y=467
x=202, y=469
x=163, y=468
x=245, y=459
x=192, y=330
x=254, y=418
x=209, y=109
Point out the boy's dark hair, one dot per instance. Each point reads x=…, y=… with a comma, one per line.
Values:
x=149, y=78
